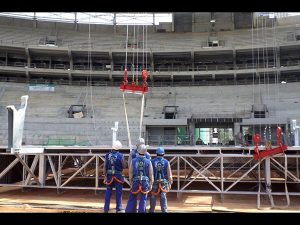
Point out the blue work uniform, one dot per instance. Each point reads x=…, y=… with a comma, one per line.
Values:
x=160, y=172
x=114, y=178
x=141, y=184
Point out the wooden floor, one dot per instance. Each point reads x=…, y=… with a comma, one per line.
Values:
x=47, y=200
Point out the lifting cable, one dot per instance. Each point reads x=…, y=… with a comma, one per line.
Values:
x=89, y=88
x=279, y=138
x=124, y=103
x=134, y=88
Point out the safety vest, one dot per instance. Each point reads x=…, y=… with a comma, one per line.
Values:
x=114, y=167
x=141, y=181
x=160, y=166
x=160, y=170
x=140, y=168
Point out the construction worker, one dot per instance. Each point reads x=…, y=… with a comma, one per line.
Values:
x=134, y=152
x=141, y=180
x=162, y=180
x=113, y=168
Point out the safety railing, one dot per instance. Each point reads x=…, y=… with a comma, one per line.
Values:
x=182, y=68
x=66, y=142
x=159, y=140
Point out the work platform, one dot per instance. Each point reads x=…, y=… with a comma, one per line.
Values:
x=196, y=169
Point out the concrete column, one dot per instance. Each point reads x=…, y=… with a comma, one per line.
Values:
x=34, y=20
x=111, y=61
x=173, y=22
x=28, y=56
x=70, y=59
x=236, y=128
x=50, y=62
x=75, y=22
x=70, y=77
x=28, y=62
x=110, y=76
x=234, y=58
x=151, y=60
x=115, y=23
x=278, y=64
x=192, y=132
x=193, y=59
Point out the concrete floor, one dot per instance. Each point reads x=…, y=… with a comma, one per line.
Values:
x=47, y=200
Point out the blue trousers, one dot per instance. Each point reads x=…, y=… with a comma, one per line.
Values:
x=108, y=193
x=132, y=203
x=163, y=202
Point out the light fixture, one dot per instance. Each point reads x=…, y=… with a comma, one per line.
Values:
x=283, y=82
x=213, y=21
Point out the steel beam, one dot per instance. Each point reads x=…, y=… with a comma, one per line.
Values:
x=8, y=168
x=27, y=168
x=32, y=168
x=78, y=171
x=53, y=169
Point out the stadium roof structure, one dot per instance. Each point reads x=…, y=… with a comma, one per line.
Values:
x=113, y=18
x=141, y=18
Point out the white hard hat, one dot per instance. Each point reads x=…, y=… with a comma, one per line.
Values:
x=142, y=149
x=140, y=141
x=117, y=145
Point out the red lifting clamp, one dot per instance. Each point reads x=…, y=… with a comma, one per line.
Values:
x=273, y=151
x=135, y=88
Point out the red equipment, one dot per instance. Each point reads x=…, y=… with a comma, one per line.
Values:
x=135, y=88
x=273, y=151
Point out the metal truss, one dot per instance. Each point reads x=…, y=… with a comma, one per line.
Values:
x=192, y=173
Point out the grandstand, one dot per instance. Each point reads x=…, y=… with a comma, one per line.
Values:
x=213, y=76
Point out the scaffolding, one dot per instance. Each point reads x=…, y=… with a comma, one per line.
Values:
x=198, y=170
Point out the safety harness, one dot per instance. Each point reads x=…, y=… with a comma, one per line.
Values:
x=142, y=171
x=112, y=159
x=159, y=177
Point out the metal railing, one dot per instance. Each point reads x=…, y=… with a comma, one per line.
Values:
x=217, y=173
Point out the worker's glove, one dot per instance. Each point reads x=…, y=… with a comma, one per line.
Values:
x=105, y=180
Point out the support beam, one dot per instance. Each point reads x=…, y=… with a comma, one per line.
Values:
x=151, y=64
x=111, y=61
x=42, y=169
x=28, y=63
x=268, y=172
x=245, y=174
x=27, y=168
x=78, y=171
x=200, y=173
x=59, y=171
x=193, y=60
x=75, y=22
x=97, y=173
x=10, y=166
x=32, y=168
x=115, y=22
x=179, y=195
x=53, y=169
x=192, y=132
